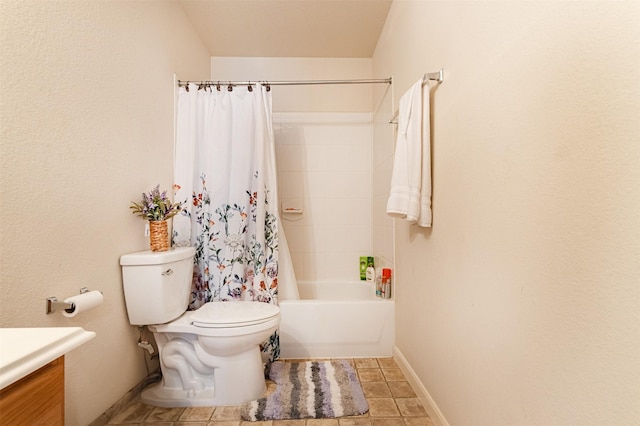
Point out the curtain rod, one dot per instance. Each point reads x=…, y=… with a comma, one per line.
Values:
x=283, y=83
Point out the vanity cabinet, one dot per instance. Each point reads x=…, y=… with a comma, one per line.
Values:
x=37, y=399
x=32, y=373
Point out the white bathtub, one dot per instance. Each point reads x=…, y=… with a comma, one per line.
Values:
x=335, y=320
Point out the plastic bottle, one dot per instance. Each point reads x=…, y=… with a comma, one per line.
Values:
x=363, y=268
x=386, y=283
x=371, y=271
x=378, y=285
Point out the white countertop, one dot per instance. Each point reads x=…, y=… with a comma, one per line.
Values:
x=24, y=350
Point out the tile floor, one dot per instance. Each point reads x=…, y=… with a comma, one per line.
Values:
x=391, y=400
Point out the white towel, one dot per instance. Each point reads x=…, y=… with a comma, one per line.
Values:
x=410, y=194
x=424, y=219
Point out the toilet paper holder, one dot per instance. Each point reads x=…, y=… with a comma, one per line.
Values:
x=53, y=303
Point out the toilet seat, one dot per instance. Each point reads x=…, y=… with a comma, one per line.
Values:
x=233, y=314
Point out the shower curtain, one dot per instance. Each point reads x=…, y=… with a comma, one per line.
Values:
x=225, y=175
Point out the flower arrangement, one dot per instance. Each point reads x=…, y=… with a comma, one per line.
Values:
x=155, y=206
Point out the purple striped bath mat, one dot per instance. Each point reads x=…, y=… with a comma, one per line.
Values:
x=313, y=389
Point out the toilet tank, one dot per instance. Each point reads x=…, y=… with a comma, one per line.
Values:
x=157, y=285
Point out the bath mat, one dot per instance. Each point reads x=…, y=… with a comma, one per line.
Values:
x=312, y=389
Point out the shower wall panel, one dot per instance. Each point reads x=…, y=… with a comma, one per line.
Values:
x=324, y=168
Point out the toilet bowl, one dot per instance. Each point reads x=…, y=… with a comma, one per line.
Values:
x=210, y=356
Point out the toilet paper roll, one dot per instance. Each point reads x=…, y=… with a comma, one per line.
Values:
x=83, y=302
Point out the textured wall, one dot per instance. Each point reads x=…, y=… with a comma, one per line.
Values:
x=86, y=92
x=521, y=304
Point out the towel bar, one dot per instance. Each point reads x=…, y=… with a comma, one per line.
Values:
x=434, y=76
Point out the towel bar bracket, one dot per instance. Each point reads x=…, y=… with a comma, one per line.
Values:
x=433, y=76
x=436, y=76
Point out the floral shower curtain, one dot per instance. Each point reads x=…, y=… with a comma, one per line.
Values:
x=225, y=174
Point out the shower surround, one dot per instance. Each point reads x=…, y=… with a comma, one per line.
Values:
x=324, y=167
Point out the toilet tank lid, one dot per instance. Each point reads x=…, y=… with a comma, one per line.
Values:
x=157, y=257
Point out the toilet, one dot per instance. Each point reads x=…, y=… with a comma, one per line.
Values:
x=210, y=356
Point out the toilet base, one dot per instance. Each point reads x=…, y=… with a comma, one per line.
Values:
x=193, y=377
x=243, y=380
x=160, y=396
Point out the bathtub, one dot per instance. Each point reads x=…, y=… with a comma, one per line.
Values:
x=336, y=320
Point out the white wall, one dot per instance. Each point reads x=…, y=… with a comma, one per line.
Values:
x=86, y=93
x=323, y=153
x=324, y=167
x=521, y=305
x=382, y=165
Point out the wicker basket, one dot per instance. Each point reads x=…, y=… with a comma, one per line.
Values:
x=159, y=235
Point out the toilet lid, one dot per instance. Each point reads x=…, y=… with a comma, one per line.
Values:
x=233, y=314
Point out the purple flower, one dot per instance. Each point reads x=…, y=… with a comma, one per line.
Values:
x=155, y=206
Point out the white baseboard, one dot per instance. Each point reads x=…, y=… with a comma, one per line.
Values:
x=429, y=404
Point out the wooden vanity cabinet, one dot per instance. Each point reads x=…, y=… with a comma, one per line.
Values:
x=37, y=399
